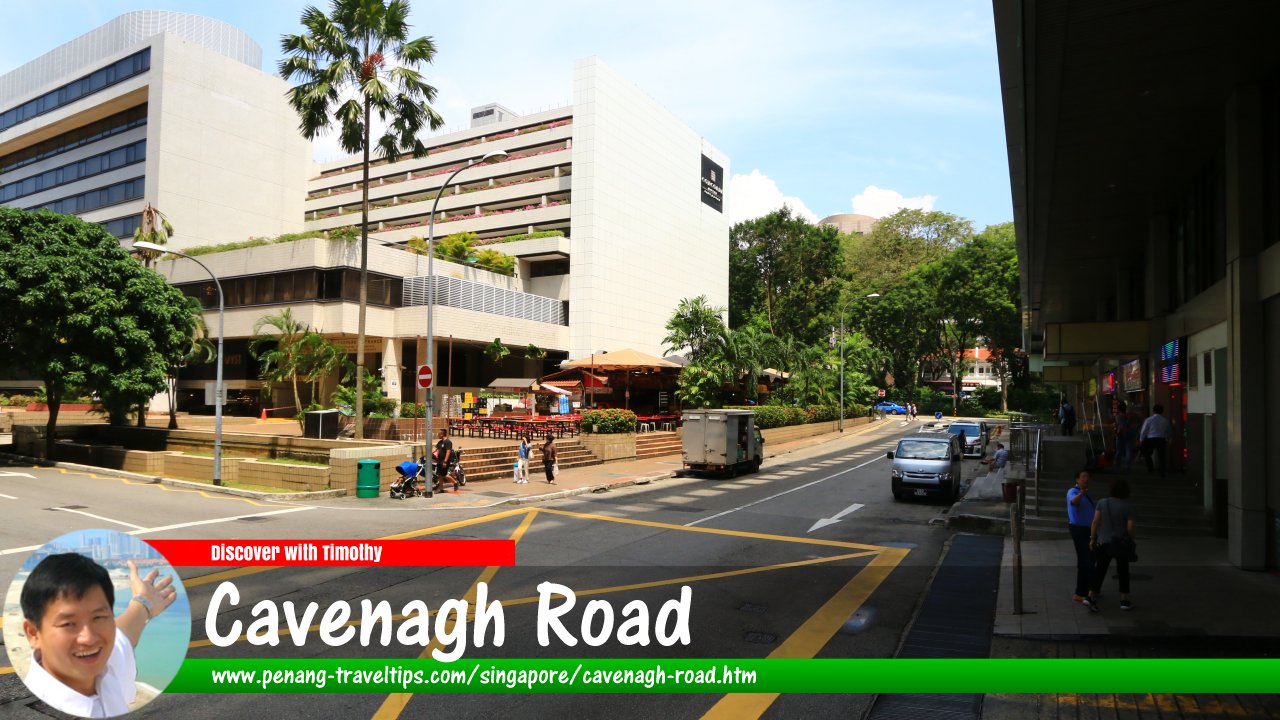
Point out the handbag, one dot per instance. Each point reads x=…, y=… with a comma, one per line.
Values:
x=1123, y=547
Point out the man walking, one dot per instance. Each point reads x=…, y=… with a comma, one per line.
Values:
x=1155, y=434
x=1067, y=417
x=1080, y=508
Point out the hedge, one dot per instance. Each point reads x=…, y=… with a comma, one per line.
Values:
x=612, y=420
x=771, y=416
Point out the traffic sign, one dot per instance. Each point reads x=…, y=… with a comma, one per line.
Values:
x=880, y=393
x=424, y=376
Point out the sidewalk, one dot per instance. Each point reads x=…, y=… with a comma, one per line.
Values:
x=1189, y=601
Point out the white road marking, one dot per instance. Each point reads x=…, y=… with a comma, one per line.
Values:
x=14, y=474
x=784, y=492
x=8, y=497
x=143, y=531
x=835, y=518
x=99, y=517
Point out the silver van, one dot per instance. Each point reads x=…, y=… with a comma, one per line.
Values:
x=925, y=464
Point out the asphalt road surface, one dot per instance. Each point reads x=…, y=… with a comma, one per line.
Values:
x=809, y=558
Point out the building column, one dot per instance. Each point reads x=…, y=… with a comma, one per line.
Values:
x=1246, y=356
x=391, y=369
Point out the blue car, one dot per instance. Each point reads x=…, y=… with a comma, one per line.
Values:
x=889, y=407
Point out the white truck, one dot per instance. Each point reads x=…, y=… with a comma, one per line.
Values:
x=722, y=442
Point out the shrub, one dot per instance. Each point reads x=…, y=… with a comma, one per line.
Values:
x=413, y=410
x=772, y=416
x=612, y=420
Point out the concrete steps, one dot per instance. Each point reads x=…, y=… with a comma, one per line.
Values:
x=1166, y=506
x=657, y=444
x=495, y=462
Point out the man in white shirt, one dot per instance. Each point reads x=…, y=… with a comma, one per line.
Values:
x=80, y=664
x=1154, y=438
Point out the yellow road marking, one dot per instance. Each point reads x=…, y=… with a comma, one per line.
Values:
x=165, y=488
x=716, y=531
x=396, y=702
x=815, y=633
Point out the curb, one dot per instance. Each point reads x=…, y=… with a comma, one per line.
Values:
x=640, y=480
x=183, y=484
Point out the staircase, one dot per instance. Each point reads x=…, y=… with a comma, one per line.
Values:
x=1165, y=506
x=496, y=462
x=657, y=444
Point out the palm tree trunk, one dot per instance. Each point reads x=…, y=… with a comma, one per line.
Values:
x=364, y=274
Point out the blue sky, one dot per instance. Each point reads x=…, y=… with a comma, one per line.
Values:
x=830, y=106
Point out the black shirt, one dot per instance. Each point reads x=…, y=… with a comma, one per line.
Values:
x=444, y=451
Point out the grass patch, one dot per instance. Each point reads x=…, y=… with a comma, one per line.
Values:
x=292, y=461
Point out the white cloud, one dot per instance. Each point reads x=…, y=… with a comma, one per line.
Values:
x=756, y=195
x=879, y=202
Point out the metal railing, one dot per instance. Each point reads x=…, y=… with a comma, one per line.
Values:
x=1031, y=435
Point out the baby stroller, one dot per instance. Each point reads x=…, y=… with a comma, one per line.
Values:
x=407, y=485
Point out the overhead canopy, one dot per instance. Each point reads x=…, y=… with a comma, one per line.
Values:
x=549, y=387
x=512, y=383
x=619, y=360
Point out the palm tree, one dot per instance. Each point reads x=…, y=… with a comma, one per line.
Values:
x=284, y=360
x=320, y=359
x=748, y=351
x=354, y=62
x=457, y=247
x=695, y=325
x=153, y=228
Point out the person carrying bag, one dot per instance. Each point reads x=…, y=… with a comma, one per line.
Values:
x=1113, y=523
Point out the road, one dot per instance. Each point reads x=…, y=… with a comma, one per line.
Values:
x=809, y=558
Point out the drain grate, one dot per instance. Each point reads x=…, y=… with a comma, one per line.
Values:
x=252, y=519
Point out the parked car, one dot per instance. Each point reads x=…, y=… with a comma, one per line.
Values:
x=926, y=464
x=890, y=408
x=974, y=436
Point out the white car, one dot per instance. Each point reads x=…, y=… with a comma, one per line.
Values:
x=974, y=437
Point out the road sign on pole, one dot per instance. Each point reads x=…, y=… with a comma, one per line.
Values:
x=424, y=376
x=880, y=393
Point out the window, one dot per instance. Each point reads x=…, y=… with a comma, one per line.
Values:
x=91, y=133
x=548, y=268
x=100, y=79
x=94, y=199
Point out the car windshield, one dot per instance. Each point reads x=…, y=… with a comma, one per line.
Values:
x=922, y=450
x=966, y=430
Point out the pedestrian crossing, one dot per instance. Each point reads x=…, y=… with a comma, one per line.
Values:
x=697, y=493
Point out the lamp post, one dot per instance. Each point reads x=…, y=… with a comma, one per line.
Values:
x=217, y=386
x=431, y=280
x=842, y=311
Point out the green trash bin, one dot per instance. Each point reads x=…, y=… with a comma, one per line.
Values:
x=368, y=478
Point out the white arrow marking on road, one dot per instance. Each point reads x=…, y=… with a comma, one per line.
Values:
x=835, y=518
x=784, y=492
x=12, y=474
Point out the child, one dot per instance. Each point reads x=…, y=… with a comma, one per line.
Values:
x=80, y=663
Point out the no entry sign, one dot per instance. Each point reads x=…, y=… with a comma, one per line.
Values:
x=424, y=376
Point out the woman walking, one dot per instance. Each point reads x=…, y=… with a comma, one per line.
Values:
x=1112, y=536
x=549, y=453
x=522, y=474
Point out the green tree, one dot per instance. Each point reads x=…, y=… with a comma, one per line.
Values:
x=458, y=247
x=199, y=350
x=320, y=358
x=533, y=352
x=696, y=325
x=281, y=353
x=901, y=243
x=353, y=63
x=905, y=323
x=81, y=313
x=496, y=351
x=787, y=272
x=495, y=261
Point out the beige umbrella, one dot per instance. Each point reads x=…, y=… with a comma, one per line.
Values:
x=620, y=360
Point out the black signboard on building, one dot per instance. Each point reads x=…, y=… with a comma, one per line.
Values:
x=712, y=184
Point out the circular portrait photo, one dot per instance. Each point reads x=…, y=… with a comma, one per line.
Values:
x=96, y=623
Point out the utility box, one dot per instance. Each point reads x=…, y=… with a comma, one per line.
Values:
x=368, y=478
x=722, y=441
x=322, y=424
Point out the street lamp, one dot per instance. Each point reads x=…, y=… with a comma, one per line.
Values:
x=217, y=386
x=494, y=156
x=842, y=310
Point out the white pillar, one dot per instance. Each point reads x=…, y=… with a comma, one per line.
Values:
x=391, y=369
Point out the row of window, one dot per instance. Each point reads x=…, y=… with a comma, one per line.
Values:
x=71, y=172
x=123, y=227
x=100, y=79
x=297, y=286
x=94, y=199
x=72, y=139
